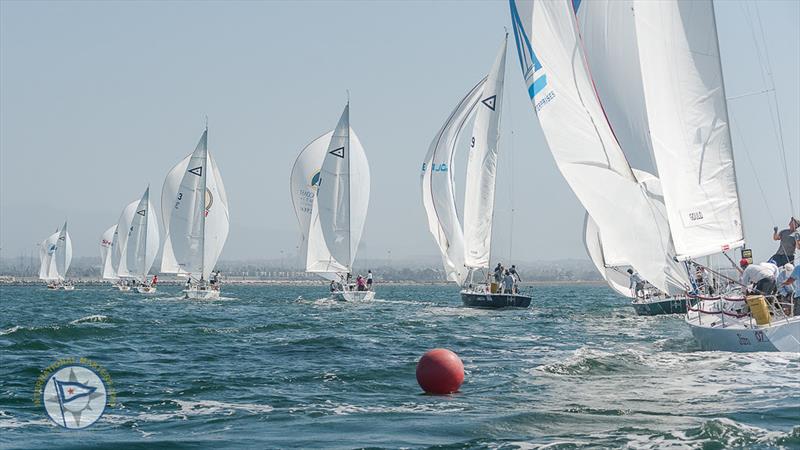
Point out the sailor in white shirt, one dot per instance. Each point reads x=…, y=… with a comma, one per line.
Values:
x=762, y=275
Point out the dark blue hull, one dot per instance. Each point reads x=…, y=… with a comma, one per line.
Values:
x=660, y=307
x=494, y=301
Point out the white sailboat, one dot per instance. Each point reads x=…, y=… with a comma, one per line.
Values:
x=141, y=245
x=107, y=270
x=55, y=256
x=586, y=149
x=684, y=93
x=119, y=243
x=330, y=193
x=468, y=250
x=195, y=213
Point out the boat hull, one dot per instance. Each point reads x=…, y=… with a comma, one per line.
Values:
x=124, y=288
x=660, y=307
x=201, y=294
x=68, y=288
x=494, y=301
x=353, y=296
x=780, y=336
x=145, y=289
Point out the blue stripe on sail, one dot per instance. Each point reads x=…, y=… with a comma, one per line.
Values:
x=576, y=4
x=537, y=86
x=524, y=47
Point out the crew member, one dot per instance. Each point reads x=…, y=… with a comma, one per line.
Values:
x=761, y=275
x=789, y=239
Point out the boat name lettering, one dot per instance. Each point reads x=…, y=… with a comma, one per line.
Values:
x=545, y=100
x=743, y=340
x=435, y=167
x=760, y=336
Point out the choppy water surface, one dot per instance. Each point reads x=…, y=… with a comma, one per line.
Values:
x=273, y=366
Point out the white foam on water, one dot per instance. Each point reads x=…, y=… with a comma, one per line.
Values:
x=89, y=319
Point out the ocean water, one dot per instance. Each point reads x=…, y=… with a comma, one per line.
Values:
x=278, y=367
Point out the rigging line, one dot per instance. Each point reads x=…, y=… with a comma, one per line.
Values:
x=772, y=100
x=752, y=167
x=736, y=97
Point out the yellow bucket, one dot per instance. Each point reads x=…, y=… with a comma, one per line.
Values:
x=493, y=288
x=758, y=308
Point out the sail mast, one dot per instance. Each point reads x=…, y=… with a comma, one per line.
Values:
x=204, y=185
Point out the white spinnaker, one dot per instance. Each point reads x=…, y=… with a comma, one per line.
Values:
x=614, y=275
x=438, y=190
x=340, y=207
x=305, y=179
x=482, y=167
x=581, y=140
x=106, y=243
x=194, y=206
x=609, y=42
x=688, y=118
x=143, y=239
x=119, y=261
x=47, y=258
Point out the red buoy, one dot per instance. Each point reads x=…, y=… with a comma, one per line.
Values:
x=440, y=371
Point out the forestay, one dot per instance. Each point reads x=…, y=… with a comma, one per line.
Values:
x=438, y=190
x=339, y=209
x=106, y=242
x=195, y=210
x=688, y=119
x=143, y=239
x=580, y=138
x=482, y=167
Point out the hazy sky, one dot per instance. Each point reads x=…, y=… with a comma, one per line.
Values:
x=98, y=99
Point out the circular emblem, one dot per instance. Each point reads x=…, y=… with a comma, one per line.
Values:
x=209, y=199
x=74, y=397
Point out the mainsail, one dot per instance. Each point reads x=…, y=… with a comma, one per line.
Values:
x=438, y=190
x=482, y=167
x=195, y=211
x=582, y=142
x=120, y=241
x=609, y=42
x=688, y=118
x=142, y=240
x=339, y=209
x=106, y=243
x=55, y=255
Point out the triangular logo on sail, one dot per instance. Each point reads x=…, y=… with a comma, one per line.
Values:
x=338, y=152
x=141, y=212
x=197, y=171
x=489, y=102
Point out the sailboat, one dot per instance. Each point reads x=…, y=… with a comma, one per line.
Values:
x=684, y=92
x=141, y=245
x=629, y=217
x=55, y=256
x=330, y=192
x=468, y=250
x=119, y=243
x=194, y=208
x=107, y=270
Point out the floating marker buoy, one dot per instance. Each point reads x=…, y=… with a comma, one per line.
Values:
x=440, y=371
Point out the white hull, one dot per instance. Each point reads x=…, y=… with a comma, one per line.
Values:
x=68, y=288
x=200, y=294
x=353, y=296
x=720, y=332
x=124, y=288
x=146, y=289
